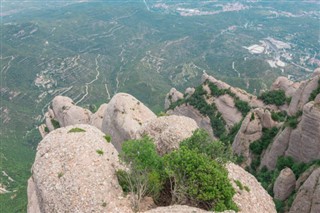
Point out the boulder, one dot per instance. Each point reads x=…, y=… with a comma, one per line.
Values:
x=189, y=111
x=75, y=172
x=123, y=117
x=284, y=184
x=253, y=199
x=225, y=105
x=48, y=116
x=67, y=113
x=189, y=91
x=97, y=118
x=308, y=196
x=168, y=131
x=173, y=96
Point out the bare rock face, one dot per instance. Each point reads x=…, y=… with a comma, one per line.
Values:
x=283, y=83
x=225, y=105
x=284, y=184
x=308, y=196
x=256, y=199
x=67, y=113
x=189, y=111
x=123, y=117
x=301, y=96
x=250, y=131
x=75, y=172
x=304, y=176
x=276, y=149
x=33, y=203
x=168, y=131
x=97, y=117
x=304, y=143
x=173, y=96
x=189, y=91
x=48, y=116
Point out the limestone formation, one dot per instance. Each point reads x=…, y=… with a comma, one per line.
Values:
x=168, y=131
x=254, y=198
x=123, y=117
x=284, y=184
x=225, y=105
x=189, y=111
x=75, y=172
x=173, y=96
x=308, y=196
x=97, y=118
x=67, y=113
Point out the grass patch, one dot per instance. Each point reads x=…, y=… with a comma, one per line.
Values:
x=76, y=129
x=107, y=138
x=100, y=152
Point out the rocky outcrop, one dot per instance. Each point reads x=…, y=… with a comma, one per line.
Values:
x=97, y=118
x=48, y=116
x=225, y=105
x=283, y=83
x=304, y=143
x=67, y=113
x=304, y=176
x=308, y=196
x=284, y=184
x=189, y=91
x=123, y=117
x=276, y=149
x=301, y=96
x=173, y=96
x=189, y=111
x=181, y=209
x=255, y=198
x=252, y=100
x=75, y=172
x=250, y=131
x=168, y=131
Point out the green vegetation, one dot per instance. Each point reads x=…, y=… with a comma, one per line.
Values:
x=239, y=184
x=100, y=152
x=277, y=97
x=46, y=129
x=315, y=92
x=195, y=172
x=199, y=179
x=267, y=136
x=201, y=142
x=55, y=123
x=279, y=116
x=60, y=174
x=242, y=106
x=292, y=121
x=107, y=138
x=76, y=129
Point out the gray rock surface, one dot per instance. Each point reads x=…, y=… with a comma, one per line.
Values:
x=173, y=96
x=283, y=83
x=97, y=118
x=168, y=131
x=225, y=105
x=304, y=176
x=189, y=111
x=69, y=175
x=284, y=184
x=304, y=143
x=308, y=196
x=33, y=203
x=301, y=96
x=123, y=117
x=67, y=113
x=257, y=199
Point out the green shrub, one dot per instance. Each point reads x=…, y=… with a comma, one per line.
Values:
x=199, y=179
x=267, y=136
x=292, y=121
x=76, y=129
x=201, y=142
x=315, y=92
x=46, y=129
x=107, y=138
x=55, y=123
x=242, y=106
x=247, y=188
x=280, y=206
x=277, y=97
x=100, y=151
x=239, y=184
x=279, y=116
